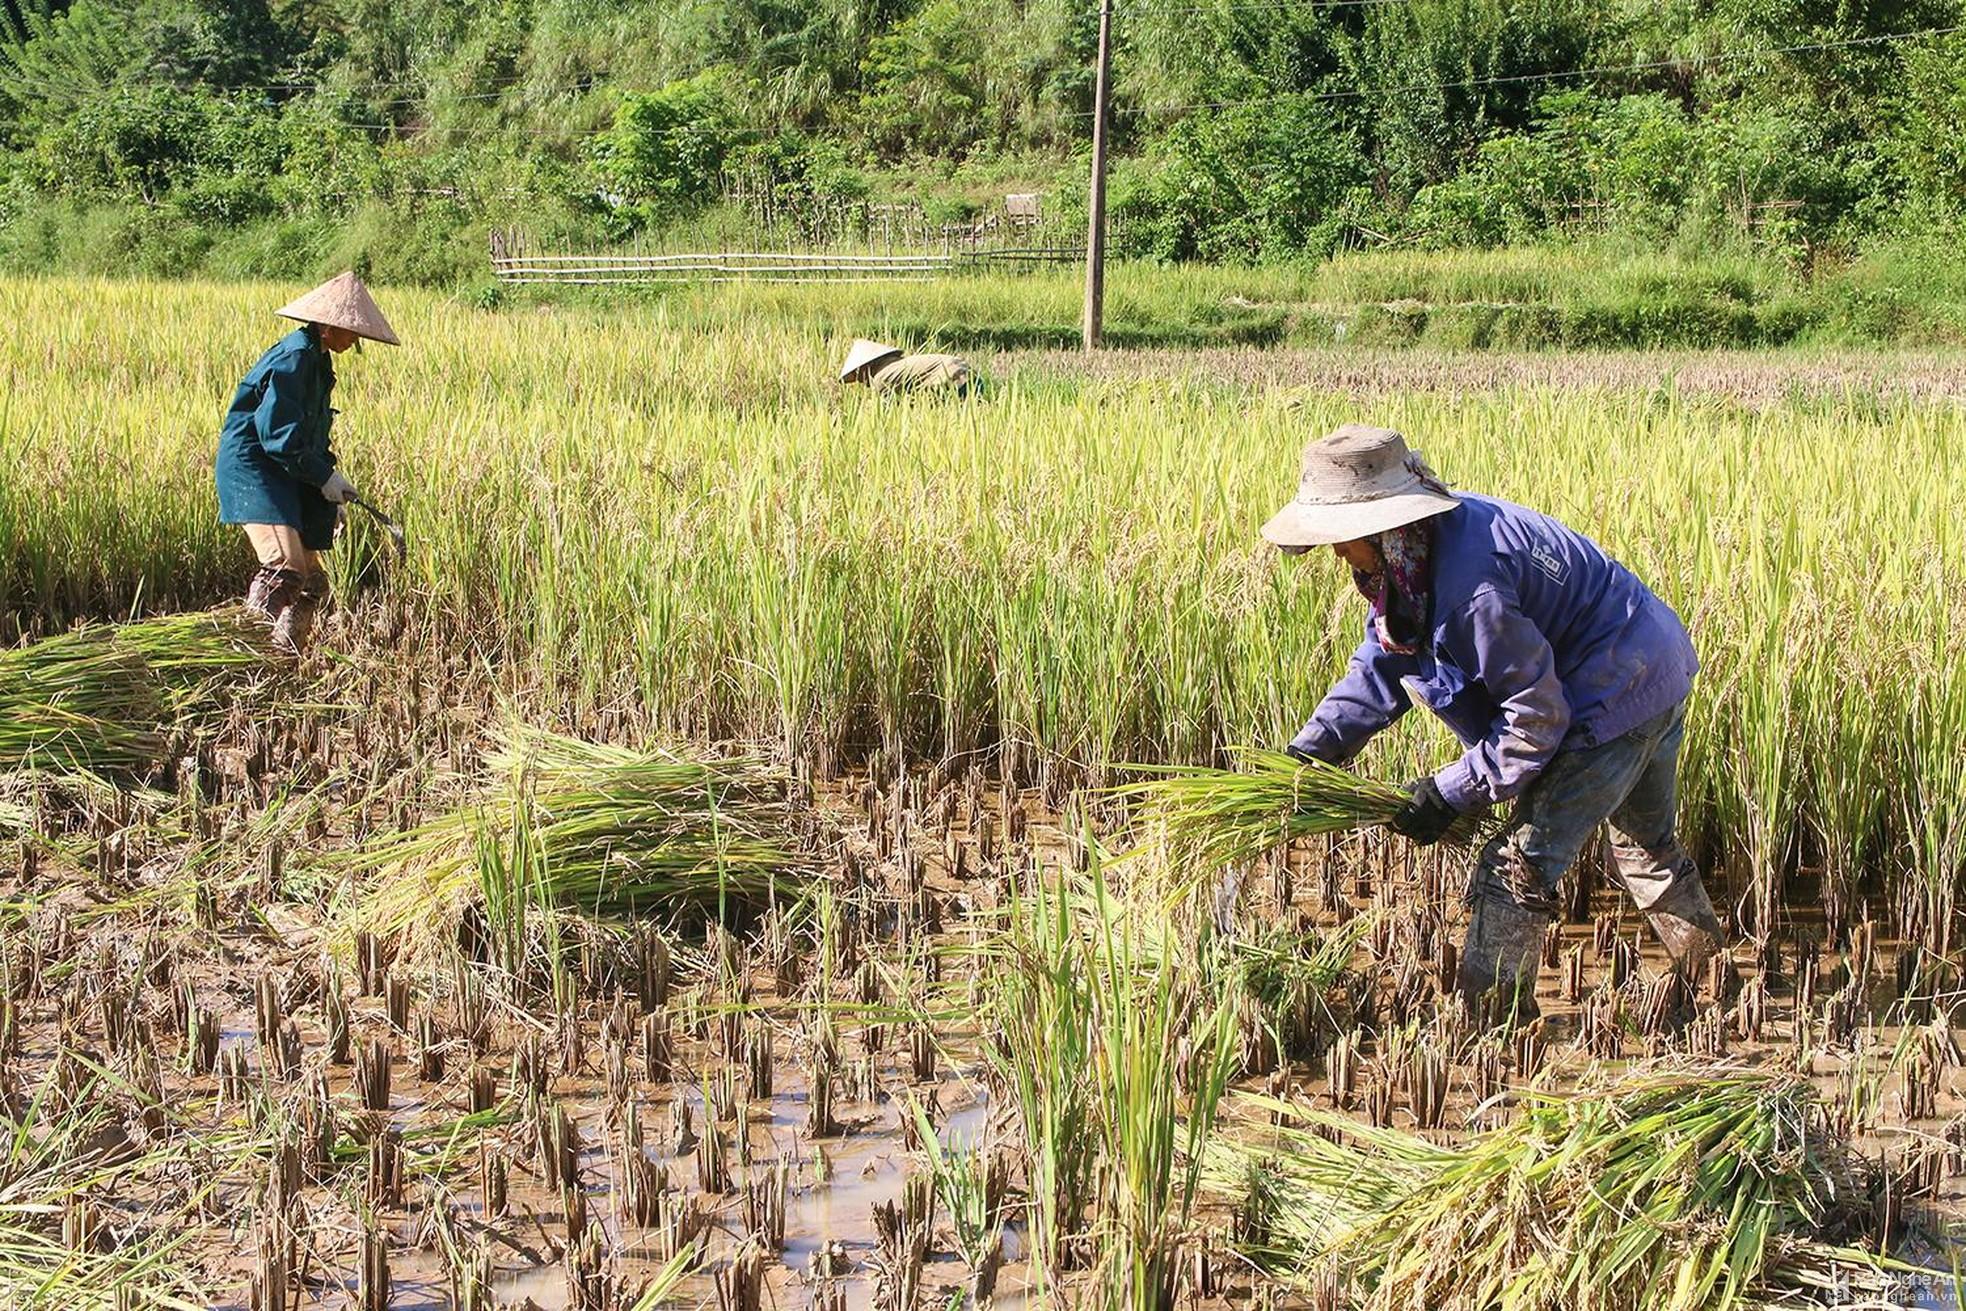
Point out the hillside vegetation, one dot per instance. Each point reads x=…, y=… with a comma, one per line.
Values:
x=282, y=137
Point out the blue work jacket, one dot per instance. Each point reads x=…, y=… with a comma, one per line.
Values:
x=1539, y=642
x=273, y=452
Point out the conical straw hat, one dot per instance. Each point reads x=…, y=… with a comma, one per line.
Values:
x=864, y=353
x=1357, y=482
x=342, y=302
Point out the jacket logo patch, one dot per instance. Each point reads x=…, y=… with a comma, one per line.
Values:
x=1558, y=571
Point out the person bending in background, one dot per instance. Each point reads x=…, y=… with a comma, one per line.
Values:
x=887, y=369
x=1561, y=672
x=276, y=473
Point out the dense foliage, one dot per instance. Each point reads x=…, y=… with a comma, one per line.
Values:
x=281, y=136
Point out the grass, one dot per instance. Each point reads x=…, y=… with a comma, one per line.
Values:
x=1584, y=292
x=1146, y=306
x=1585, y=295
x=1656, y=1189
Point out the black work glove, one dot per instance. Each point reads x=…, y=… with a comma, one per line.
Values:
x=1426, y=816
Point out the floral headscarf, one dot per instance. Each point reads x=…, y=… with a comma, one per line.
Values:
x=1401, y=592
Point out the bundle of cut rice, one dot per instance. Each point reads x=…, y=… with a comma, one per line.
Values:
x=1656, y=1189
x=604, y=831
x=107, y=697
x=1210, y=818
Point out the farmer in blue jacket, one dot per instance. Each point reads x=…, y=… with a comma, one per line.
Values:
x=275, y=471
x=1562, y=673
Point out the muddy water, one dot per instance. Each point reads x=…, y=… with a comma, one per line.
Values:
x=865, y=1167
x=835, y=1182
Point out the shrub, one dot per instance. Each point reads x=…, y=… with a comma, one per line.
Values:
x=1248, y=184
x=925, y=84
x=664, y=153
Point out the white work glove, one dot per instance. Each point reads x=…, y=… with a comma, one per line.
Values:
x=338, y=490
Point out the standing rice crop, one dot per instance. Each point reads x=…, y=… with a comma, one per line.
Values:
x=1152, y=1043
x=1043, y=1007
x=687, y=517
x=1117, y=1044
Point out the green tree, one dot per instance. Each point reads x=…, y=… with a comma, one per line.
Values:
x=1434, y=78
x=1926, y=142
x=1250, y=183
x=663, y=155
x=64, y=60
x=925, y=84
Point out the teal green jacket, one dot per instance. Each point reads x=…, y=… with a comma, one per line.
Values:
x=273, y=452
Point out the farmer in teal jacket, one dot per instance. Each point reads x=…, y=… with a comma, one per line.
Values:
x=1563, y=675
x=275, y=470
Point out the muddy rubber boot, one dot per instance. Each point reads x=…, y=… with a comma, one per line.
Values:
x=294, y=625
x=1500, y=958
x=260, y=592
x=1685, y=921
x=281, y=590
x=1665, y=884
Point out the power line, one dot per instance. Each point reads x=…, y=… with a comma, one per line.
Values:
x=1351, y=93
x=1689, y=61
x=504, y=84
x=722, y=130
x=489, y=129
x=1314, y=6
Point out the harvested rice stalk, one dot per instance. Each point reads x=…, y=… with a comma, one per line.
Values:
x=601, y=830
x=52, y=1159
x=1211, y=818
x=1657, y=1189
x=105, y=698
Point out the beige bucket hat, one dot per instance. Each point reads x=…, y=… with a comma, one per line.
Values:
x=864, y=353
x=342, y=302
x=1357, y=482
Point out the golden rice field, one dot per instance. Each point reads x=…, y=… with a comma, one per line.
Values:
x=690, y=877
x=621, y=509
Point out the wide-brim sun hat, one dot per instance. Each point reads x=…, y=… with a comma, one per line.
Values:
x=342, y=302
x=1356, y=482
x=864, y=353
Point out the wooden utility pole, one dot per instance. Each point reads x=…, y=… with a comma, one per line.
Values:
x=1095, y=230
